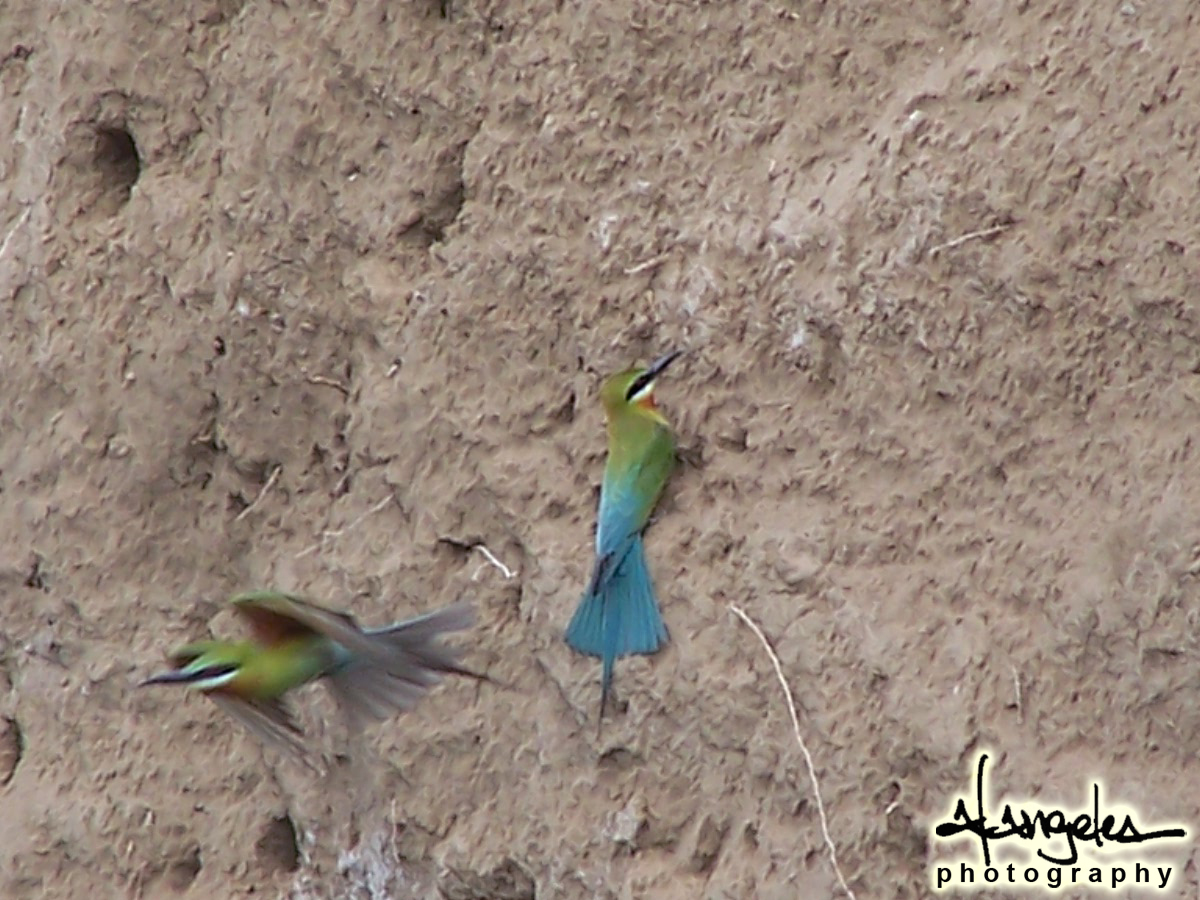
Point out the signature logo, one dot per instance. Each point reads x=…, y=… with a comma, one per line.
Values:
x=1049, y=824
x=1057, y=835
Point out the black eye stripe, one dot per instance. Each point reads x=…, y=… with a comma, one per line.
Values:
x=639, y=384
x=214, y=671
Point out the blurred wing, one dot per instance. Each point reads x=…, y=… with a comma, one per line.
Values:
x=368, y=694
x=455, y=617
x=275, y=616
x=413, y=650
x=416, y=661
x=189, y=652
x=272, y=616
x=266, y=720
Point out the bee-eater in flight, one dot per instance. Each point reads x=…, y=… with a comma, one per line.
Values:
x=618, y=614
x=372, y=672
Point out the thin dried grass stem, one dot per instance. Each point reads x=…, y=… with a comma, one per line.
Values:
x=808, y=761
x=970, y=236
x=493, y=560
x=330, y=535
x=266, y=487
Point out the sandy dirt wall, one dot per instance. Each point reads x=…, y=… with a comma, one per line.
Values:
x=319, y=296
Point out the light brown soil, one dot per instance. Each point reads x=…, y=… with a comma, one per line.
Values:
x=344, y=315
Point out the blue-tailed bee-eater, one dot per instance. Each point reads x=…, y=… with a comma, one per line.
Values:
x=618, y=614
x=372, y=672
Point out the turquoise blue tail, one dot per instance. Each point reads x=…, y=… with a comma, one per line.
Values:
x=618, y=616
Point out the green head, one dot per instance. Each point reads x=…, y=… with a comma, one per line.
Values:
x=634, y=388
x=205, y=665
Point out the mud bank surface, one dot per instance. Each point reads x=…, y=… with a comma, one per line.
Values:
x=319, y=296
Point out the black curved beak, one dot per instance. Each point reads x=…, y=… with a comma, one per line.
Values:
x=186, y=676
x=659, y=366
x=652, y=372
x=174, y=677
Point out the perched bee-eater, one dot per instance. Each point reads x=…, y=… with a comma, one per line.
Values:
x=618, y=614
x=372, y=672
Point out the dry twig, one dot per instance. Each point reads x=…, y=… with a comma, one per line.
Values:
x=651, y=263
x=1017, y=687
x=266, y=487
x=328, y=382
x=969, y=236
x=21, y=220
x=336, y=533
x=491, y=558
x=808, y=761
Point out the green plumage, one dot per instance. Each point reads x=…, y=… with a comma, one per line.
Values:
x=618, y=613
x=373, y=673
